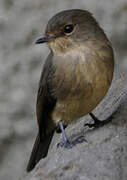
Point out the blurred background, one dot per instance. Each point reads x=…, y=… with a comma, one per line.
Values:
x=21, y=61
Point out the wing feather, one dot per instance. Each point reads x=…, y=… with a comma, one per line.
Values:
x=45, y=100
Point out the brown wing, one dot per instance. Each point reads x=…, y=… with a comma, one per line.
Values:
x=45, y=100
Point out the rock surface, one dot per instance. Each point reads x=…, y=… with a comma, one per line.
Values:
x=21, y=23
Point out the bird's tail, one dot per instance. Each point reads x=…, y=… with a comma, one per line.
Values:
x=40, y=150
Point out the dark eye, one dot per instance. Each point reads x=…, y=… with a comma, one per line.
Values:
x=68, y=28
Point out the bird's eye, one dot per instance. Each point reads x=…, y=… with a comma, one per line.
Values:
x=68, y=28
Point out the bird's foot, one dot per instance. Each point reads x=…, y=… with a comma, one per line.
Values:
x=67, y=144
x=79, y=140
x=97, y=123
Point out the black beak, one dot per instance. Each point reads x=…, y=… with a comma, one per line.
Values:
x=44, y=39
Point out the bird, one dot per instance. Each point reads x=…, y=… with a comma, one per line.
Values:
x=75, y=77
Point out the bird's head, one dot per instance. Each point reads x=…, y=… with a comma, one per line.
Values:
x=69, y=29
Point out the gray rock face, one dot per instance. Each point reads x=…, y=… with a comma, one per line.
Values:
x=21, y=23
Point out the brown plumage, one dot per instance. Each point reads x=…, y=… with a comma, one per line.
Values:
x=76, y=76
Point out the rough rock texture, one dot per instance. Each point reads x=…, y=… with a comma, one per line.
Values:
x=21, y=23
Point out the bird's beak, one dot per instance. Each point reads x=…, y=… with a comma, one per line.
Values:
x=44, y=39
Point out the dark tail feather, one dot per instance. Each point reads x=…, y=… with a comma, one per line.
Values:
x=40, y=150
